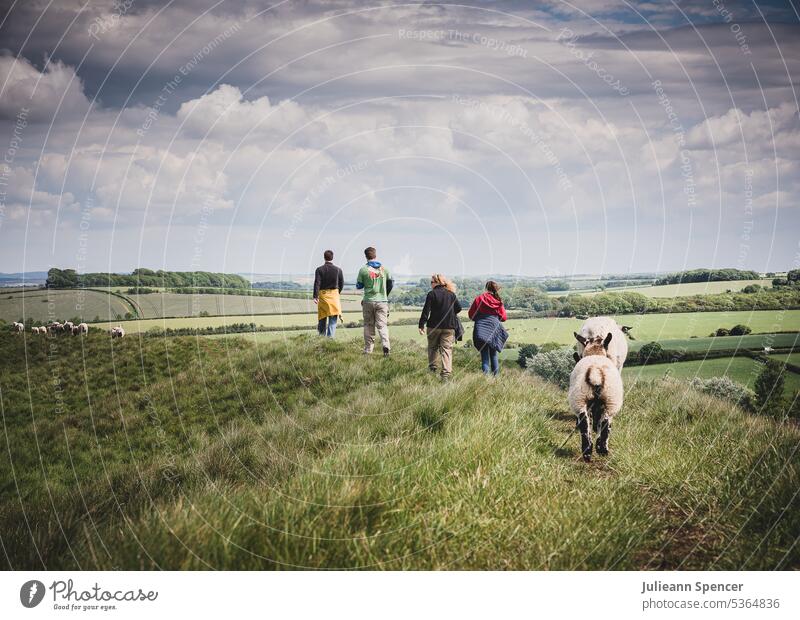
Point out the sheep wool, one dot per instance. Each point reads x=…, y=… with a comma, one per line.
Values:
x=600, y=326
x=595, y=393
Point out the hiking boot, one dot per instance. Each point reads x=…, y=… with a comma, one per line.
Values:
x=385, y=352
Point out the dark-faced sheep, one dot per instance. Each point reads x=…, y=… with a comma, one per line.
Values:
x=83, y=328
x=18, y=328
x=596, y=392
x=600, y=327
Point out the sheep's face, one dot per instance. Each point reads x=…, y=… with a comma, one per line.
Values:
x=594, y=346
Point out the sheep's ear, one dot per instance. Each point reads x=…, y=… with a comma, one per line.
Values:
x=627, y=331
x=576, y=357
x=607, y=340
x=579, y=338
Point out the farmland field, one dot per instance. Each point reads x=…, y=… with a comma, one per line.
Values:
x=790, y=358
x=751, y=342
x=743, y=370
x=676, y=290
x=699, y=288
x=156, y=305
x=46, y=305
x=264, y=320
x=647, y=327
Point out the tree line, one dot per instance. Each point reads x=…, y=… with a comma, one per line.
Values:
x=138, y=278
x=707, y=275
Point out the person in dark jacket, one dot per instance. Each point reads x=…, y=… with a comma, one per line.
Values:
x=328, y=283
x=439, y=316
x=489, y=336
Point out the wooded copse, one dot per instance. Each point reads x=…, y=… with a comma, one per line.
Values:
x=707, y=275
x=69, y=278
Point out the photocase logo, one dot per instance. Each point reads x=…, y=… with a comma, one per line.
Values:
x=31, y=593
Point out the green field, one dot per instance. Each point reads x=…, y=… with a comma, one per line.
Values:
x=61, y=304
x=743, y=370
x=58, y=305
x=791, y=358
x=726, y=343
x=157, y=305
x=699, y=288
x=647, y=327
x=268, y=320
x=675, y=290
x=200, y=453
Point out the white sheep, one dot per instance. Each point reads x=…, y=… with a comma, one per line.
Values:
x=75, y=330
x=18, y=328
x=83, y=328
x=117, y=332
x=595, y=387
x=68, y=325
x=600, y=327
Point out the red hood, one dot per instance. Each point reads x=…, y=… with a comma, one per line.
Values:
x=490, y=301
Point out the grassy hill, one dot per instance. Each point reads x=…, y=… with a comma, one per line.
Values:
x=194, y=453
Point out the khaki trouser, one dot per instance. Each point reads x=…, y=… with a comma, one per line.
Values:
x=440, y=344
x=376, y=317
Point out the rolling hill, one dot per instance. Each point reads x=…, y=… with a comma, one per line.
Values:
x=196, y=453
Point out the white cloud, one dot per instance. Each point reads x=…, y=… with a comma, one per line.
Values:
x=55, y=90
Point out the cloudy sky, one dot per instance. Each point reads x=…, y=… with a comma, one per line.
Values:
x=492, y=137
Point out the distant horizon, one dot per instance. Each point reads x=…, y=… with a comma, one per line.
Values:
x=300, y=274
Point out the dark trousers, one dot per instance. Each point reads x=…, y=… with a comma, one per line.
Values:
x=327, y=326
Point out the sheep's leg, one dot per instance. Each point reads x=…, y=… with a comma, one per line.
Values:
x=586, y=440
x=605, y=431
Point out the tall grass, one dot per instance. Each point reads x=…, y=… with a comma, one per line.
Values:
x=193, y=453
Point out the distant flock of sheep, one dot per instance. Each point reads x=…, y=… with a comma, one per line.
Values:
x=67, y=327
x=595, y=384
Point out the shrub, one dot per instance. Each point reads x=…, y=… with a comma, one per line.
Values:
x=769, y=386
x=550, y=346
x=526, y=351
x=752, y=288
x=740, y=330
x=793, y=407
x=555, y=366
x=726, y=389
x=651, y=353
x=721, y=332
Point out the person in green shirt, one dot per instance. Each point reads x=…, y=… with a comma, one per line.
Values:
x=375, y=281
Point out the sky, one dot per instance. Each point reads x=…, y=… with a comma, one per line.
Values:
x=526, y=138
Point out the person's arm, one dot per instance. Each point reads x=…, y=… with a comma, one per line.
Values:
x=317, y=283
x=360, y=279
x=426, y=311
x=502, y=313
x=473, y=309
x=389, y=283
x=340, y=275
x=456, y=306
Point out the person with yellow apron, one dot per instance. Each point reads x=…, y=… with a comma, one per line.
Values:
x=328, y=283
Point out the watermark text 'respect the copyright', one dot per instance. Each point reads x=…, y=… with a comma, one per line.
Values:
x=476, y=38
